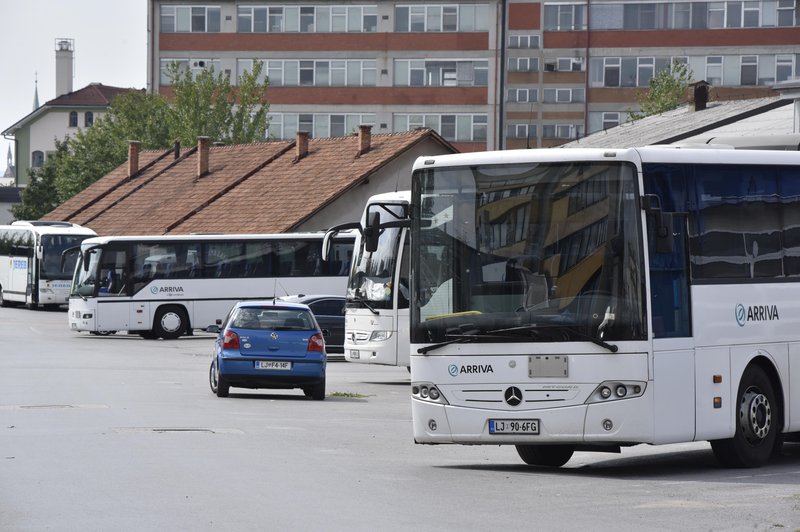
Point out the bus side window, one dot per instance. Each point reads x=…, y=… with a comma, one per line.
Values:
x=669, y=284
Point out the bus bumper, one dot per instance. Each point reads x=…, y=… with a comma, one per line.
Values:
x=628, y=421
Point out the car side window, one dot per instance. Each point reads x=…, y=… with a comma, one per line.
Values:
x=327, y=307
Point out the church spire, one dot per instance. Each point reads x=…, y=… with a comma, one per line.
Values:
x=36, y=92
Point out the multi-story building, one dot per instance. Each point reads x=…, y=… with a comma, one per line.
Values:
x=483, y=73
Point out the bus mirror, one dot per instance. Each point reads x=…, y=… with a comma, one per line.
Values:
x=372, y=232
x=85, y=261
x=332, y=232
x=39, y=251
x=664, y=239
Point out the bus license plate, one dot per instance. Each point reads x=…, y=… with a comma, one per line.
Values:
x=272, y=364
x=354, y=353
x=513, y=426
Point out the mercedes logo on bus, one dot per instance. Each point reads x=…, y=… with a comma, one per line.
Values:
x=513, y=396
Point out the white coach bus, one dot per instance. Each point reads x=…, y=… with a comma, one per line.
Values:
x=32, y=271
x=576, y=299
x=167, y=286
x=376, y=312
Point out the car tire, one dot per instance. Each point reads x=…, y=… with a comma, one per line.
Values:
x=545, y=455
x=758, y=421
x=316, y=392
x=218, y=384
x=170, y=322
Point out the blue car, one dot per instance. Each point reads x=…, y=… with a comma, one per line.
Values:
x=269, y=344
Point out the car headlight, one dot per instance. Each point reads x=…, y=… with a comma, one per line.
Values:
x=380, y=336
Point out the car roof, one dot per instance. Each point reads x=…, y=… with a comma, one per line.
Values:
x=277, y=303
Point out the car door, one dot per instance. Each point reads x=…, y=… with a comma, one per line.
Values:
x=329, y=313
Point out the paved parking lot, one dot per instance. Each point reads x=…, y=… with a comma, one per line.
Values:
x=121, y=433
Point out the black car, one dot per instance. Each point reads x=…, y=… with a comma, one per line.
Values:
x=329, y=312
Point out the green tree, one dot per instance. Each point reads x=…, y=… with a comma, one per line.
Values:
x=40, y=196
x=202, y=105
x=667, y=90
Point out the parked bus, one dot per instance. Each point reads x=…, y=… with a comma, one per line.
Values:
x=376, y=311
x=32, y=271
x=167, y=286
x=578, y=299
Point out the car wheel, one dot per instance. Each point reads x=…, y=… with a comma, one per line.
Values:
x=170, y=322
x=545, y=455
x=316, y=392
x=758, y=420
x=218, y=384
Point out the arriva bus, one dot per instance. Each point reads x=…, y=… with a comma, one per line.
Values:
x=376, y=312
x=577, y=299
x=32, y=270
x=167, y=286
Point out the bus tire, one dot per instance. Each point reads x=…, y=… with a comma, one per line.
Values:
x=219, y=385
x=148, y=335
x=170, y=322
x=757, y=423
x=3, y=302
x=545, y=455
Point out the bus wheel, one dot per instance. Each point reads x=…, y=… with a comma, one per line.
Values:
x=757, y=423
x=3, y=302
x=218, y=384
x=545, y=455
x=170, y=322
x=148, y=335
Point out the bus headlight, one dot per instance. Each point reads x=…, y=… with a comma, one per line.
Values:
x=616, y=390
x=428, y=392
x=380, y=336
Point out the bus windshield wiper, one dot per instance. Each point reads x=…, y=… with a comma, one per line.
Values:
x=363, y=301
x=456, y=339
x=597, y=341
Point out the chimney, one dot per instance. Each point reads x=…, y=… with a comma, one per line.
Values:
x=364, y=139
x=699, y=99
x=202, y=156
x=65, y=51
x=176, y=149
x=133, y=157
x=301, y=146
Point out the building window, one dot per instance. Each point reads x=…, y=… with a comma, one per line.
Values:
x=784, y=67
x=195, y=66
x=714, y=70
x=523, y=95
x=37, y=159
x=440, y=73
x=523, y=41
x=286, y=125
x=749, y=71
x=610, y=120
x=564, y=17
x=435, y=18
x=523, y=64
x=453, y=127
x=521, y=131
x=563, y=95
x=562, y=131
x=194, y=19
x=786, y=13
x=88, y=119
x=73, y=119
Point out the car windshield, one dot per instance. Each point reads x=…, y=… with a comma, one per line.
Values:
x=371, y=279
x=538, y=252
x=272, y=318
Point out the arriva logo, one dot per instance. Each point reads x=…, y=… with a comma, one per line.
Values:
x=454, y=370
x=166, y=290
x=756, y=313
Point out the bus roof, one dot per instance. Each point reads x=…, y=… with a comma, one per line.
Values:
x=665, y=153
x=101, y=240
x=50, y=228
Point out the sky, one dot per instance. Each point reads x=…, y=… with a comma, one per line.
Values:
x=110, y=39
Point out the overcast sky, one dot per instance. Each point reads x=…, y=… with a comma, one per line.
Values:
x=110, y=39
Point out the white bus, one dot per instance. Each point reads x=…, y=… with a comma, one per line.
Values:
x=376, y=312
x=167, y=286
x=32, y=271
x=577, y=299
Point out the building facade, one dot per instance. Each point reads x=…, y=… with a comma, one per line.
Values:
x=485, y=74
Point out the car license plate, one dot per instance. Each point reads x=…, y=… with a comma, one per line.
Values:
x=273, y=364
x=513, y=426
x=354, y=353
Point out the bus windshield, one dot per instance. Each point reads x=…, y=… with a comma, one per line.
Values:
x=52, y=247
x=371, y=278
x=533, y=252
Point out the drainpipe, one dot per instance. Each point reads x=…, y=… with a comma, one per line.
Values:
x=502, y=85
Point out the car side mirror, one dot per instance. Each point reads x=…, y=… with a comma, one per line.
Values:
x=213, y=329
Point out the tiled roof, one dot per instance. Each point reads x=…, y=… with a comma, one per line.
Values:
x=92, y=95
x=677, y=125
x=249, y=188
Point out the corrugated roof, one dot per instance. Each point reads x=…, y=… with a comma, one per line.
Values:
x=681, y=124
x=249, y=188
